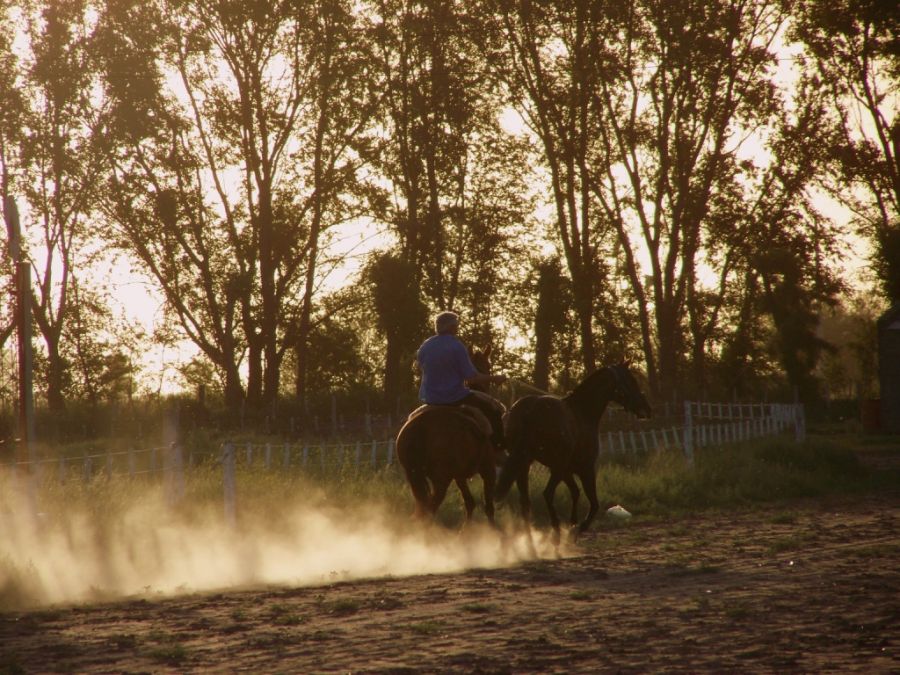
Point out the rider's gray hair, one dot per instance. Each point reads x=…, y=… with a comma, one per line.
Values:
x=445, y=321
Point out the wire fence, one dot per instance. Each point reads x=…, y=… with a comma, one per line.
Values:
x=702, y=424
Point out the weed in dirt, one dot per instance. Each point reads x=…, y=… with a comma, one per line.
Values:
x=427, y=627
x=9, y=665
x=239, y=615
x=691, y=570
x=171, y=654
x=167, y=648
x=385, y=602
x=738, y=610
x=479, y=608
x=783, y=519
x=789, y=543
x=886, y=550
x=124, y=641
x=343, y=606
x=324, y=635
x=272, y=640
x=582, y=596
x=284, y=615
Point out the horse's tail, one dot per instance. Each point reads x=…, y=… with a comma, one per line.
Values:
x=516, y=432
x=410, y=452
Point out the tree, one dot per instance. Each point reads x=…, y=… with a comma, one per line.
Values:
x=546, y=68
x=455, y=174
x=855, y=55
x=57, y=172
x=402, y=317
x=549, y=317
x=224, y=189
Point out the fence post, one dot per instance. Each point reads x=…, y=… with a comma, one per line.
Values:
x=688, y=433
x=268, y=456
x=799, y=423
x=286, y=459
x=374, y=454
x=228, y=483
x=390, y=454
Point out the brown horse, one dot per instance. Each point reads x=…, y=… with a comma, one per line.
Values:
x=439, y=445
x=561, y=433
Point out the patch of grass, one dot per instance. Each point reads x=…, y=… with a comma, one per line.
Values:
x=124, y=641
x=583, y=596
x=885, y=550
x=167, y=650
x=9, y=665
x=789, y=543
x=704, y=568
x=479, y=608
x=342, y=606
x=172, y=654
x=783, y=519
x=663, y=484
x=284, y=615
x=737, y=611
x=427, y=627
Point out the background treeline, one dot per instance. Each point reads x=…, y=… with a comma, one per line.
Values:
x=584, y=180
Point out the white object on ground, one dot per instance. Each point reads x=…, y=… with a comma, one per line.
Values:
x=617, y=512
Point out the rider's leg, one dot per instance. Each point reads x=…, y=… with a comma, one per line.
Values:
x=494, y=417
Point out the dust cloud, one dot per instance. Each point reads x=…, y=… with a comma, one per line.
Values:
x=145, y=548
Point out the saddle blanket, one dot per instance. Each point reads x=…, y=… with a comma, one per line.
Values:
x=473, y=414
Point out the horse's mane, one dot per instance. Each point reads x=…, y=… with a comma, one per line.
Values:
x=584, y=396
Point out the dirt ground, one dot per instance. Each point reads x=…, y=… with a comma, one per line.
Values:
x=809, y=587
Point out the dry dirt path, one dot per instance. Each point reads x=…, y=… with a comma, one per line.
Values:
x=800, y=587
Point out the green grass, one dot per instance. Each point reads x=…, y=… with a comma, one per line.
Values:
x=657, y=485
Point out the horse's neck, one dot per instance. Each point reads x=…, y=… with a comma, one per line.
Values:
x=587, y=408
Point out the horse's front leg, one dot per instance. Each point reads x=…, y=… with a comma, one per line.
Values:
x=549, y=494
x=589, y=483
x=488, y=478
x=574, y=492
x=468, y=499
x=524, y=496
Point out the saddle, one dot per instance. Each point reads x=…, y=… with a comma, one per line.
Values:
x=470, y=413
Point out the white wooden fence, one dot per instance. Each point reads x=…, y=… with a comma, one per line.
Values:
x=704, y=424
x=707, y=423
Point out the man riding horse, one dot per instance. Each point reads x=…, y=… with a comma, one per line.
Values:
x=448, y=373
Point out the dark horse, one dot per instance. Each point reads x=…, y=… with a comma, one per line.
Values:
x=442, y=444
x=561, y=433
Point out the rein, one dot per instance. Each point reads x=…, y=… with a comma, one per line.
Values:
x=520, y=383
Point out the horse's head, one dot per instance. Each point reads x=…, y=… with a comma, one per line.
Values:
x=627, y=393
x=481, y=359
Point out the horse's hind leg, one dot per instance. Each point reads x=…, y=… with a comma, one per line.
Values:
x=574, y=492
x=468, y=499
x=438, y=493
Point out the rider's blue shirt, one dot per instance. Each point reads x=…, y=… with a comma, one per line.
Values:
x=445, y=365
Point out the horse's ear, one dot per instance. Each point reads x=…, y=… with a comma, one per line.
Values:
x=487, y=351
